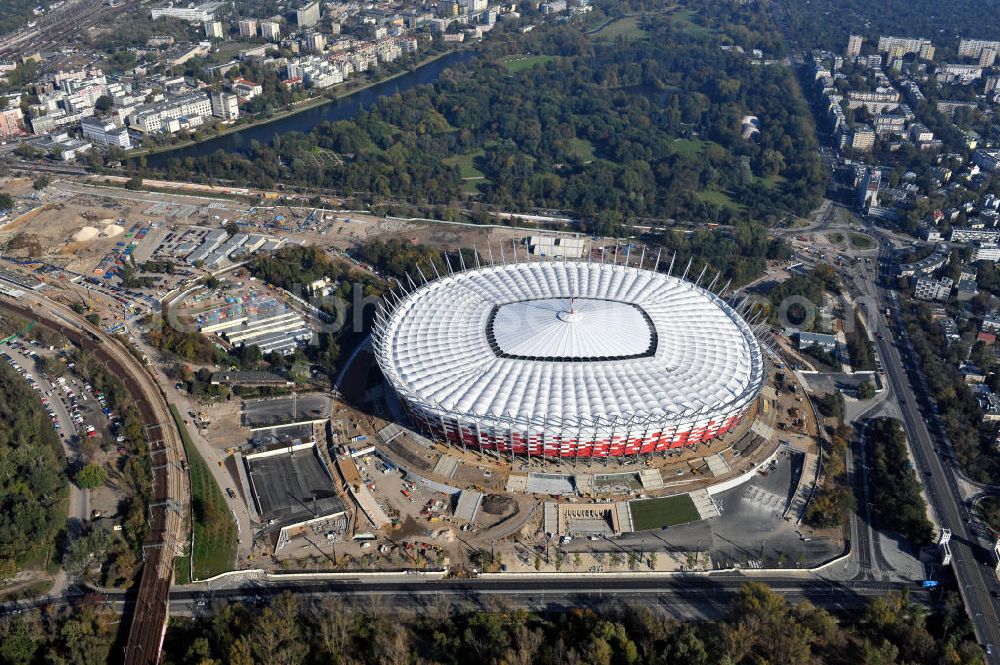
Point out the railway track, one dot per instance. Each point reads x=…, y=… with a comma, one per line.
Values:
x=165, y=537
x=56, y=30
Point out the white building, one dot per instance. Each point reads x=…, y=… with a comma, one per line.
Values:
x=104, y=132
x=307, y=16
x=200, y=13
x=248, y=27
x=186, y=111
x=986, y=251
x=213, y=30
x=932, y=289
x=973, y=48
x=315, y=41
x=225, y=105
x=246, y=90
x=270, y=30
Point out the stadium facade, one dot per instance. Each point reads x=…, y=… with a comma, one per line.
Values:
x=568, y=359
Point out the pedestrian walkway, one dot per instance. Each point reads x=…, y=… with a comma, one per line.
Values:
x=805, y=487
x=704, y=504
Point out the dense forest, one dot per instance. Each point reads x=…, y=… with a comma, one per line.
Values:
x=760, y=628
x=16, y=14
x=640, y=127
x=33, y=479
x=897, y=504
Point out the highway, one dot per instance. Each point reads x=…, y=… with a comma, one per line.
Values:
x=971, y=566
x=691, y=597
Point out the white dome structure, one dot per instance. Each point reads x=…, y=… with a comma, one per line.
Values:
x=569, y=359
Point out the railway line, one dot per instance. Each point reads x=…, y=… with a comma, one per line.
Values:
x=57, y=28
x=168, y=504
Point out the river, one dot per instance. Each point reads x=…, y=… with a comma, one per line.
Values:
x=305, y=121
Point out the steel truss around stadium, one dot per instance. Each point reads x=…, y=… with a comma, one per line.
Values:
x=569, y=358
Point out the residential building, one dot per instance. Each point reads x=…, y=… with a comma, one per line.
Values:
x=963, y=234
x=875, y=102
x=966, y=288
x=854, y=43
x=11, y=122
x=248, y=28
x=927, y=288
x=317, y=72
x=987, y=160
x=991, y=322
x=172, y=114
x=973, y=48
x=958, y=73
x=270, y=30
x=104, y=132
x=920, y=134
x=307, y=16
x=195, y=14
x=863, y=138
x=926, y=265
x=315, y=42
x=213, y=30
x=949, y=329
x=888, y=124
x=948, y=107
x=986, y=251
x=246, y=90
x=897, y=47
x=225, y=105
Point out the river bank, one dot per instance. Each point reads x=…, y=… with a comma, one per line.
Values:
x=311, y=113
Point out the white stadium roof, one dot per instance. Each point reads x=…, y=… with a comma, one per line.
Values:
x=568, y=342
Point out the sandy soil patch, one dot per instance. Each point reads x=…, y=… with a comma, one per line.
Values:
x=111, y=231
x=86, y=233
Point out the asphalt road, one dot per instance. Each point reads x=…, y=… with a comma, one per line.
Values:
x=693, y=597
x=971, y=563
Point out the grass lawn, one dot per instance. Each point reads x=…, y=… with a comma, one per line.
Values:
x=718, y=198
x=684, y=20
x=214, y=529
x=688, y=146
x=466, y=164
x=519, y=64
x=861, y=241
x=627, y=26
x=658, y=513
x=583, y=149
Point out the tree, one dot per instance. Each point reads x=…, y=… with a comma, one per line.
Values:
x=41, y=182
x=134, y=183
x=866, y=390
x=232, y=228
x=104, y=103
x=6, y=201
x=91, y=476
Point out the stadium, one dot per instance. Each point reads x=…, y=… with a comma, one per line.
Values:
x=568, y=359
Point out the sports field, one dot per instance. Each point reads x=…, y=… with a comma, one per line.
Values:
x=666, y=511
